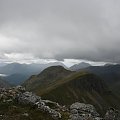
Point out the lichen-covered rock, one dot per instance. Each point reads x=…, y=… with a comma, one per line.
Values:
x=84, y=108
x=19, y=95
x=75, y=117
x=81, y=111
x=28, y=98
x=20, y=88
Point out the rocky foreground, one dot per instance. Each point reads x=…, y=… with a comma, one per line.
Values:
x=77, y=111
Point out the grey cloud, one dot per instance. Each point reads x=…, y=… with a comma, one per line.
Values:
x=60, y=29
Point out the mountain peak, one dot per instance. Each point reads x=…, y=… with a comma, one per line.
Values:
x=50, y=74
x=54, y=69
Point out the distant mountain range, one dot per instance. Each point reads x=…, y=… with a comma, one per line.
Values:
x=65, y=86
x=97, y=85
x=18, y=73
x=14, y=68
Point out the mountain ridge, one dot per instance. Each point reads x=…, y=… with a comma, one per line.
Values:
x=76, y=86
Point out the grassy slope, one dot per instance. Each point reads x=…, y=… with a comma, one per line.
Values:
x=71, y=87
x=110, y=74
x=48, y=76
x=15, y=111
x=81, y=87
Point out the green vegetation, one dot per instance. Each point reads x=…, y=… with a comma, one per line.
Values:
x=86, y=88
x=15, y=111
x=48, y=76
x=66, y=87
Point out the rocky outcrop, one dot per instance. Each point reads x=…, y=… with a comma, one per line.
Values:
x=30, y=98
x=77, y=111
x=21, y=96
x=81, y=111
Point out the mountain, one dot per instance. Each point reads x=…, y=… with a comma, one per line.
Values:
x=3, y=83
x=17, y=73
x=79, y=66
x=46, y=77
x=82, y=87
x=16, y=79
x=64, y=86
x=109, y=73
x=26, y=68
x=18, y=104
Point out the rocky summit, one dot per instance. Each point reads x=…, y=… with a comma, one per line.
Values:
x=19, y=98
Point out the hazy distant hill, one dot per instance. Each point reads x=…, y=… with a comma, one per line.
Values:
x=26, y=68
x=79, y=66
x=16, y=79
x=3, y=83
x=66, y=87
x=17, y=73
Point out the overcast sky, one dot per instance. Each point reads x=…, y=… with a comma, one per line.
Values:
x=60, y=29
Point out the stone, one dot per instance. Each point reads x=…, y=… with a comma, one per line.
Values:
x=74, y=111
x=81, y=111
x=75, y=117
x=28, y=98
x=81, y=107
x=112, y=114
x=26, y=114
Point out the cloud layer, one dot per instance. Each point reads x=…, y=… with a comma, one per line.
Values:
x=60, y=29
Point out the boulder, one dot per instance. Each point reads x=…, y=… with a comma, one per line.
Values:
x=81, y=111
x=84, y=108
x=28, y=98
